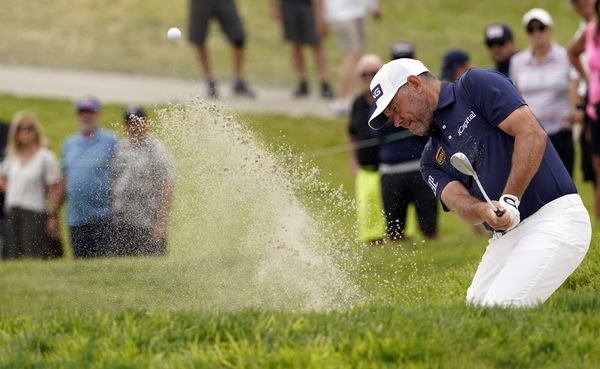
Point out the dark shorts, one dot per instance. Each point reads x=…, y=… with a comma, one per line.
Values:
x=398, y=191
x=137, y=241
x=299, y=23
x=201, y=11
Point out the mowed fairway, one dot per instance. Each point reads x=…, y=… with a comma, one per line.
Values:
x=188, y=310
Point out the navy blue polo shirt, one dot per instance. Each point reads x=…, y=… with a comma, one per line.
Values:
x=468, y=114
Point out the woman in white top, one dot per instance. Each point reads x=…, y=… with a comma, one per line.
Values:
x=28, y=175
x=542, y=74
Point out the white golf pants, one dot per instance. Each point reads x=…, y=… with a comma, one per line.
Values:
x=527, y=264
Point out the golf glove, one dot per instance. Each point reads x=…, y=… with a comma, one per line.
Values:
x=511, y=204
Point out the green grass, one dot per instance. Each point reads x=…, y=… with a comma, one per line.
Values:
x=130, y=35
x=192, y=309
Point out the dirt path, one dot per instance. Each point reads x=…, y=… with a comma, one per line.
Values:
x=148, y=90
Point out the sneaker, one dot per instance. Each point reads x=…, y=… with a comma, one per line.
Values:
x=326, y=91
x=212, y=88
x=241, y=89
x=302, y=89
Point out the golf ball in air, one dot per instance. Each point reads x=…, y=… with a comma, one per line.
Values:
x=173, y=34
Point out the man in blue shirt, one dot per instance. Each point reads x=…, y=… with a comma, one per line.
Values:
x=86, y=160
x=545, y=230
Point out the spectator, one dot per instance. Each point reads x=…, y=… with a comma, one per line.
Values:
x=201, y=12
x=401, y=183
x=299, y=28
x=4, y=128
x=455, y=63
x=364, y=158
x=143, y=176
x=589, y=42
x=579, y=90
x=29, y=175
x=542, y=75
x=501, y=46
x=87, y=182
x=346, y=18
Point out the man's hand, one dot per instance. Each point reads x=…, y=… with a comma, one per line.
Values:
x=511, y=204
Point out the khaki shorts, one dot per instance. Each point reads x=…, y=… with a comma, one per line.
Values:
x=350, y=34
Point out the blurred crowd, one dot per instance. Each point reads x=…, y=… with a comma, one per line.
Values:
x=117, y=191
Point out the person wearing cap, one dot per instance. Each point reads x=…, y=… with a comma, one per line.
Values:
x=86, y=182
x=454, y=64
x=498, y=38
x=542, y=230
x=401, y=183
x=143, y=177
x=542, y=75
x=364, y=158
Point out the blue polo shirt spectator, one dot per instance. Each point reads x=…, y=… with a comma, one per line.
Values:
x=87, y=169
x=87, y=178
x=467, y=120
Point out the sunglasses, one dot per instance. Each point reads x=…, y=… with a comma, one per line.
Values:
x=368, y=74
x=26, y=128
x=491, y=43
x=540, y=28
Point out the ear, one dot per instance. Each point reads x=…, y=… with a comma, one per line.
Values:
x=414, y=83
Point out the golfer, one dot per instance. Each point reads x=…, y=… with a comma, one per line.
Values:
x=545, y=230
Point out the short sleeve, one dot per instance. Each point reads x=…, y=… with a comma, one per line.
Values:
x=165, y=161
x=433, y=175
x=492, y=93
x=51, y=169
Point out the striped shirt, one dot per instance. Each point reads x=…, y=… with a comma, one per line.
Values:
x=544, y=85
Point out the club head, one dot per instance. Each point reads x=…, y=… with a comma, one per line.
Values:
x=462, y=163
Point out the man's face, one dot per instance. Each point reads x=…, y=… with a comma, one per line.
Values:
x=136, y=128
x=501, y=50
x=411, y=111
x=585, y=8
x=88, y=120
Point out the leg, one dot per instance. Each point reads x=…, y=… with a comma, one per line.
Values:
x=394, y=205
x=426, y=206
x=80, y=241
x=35, y=241
x=546, y=249
x=596, y=164
x=14, y=247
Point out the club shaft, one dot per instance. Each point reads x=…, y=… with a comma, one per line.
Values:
x=485, y=195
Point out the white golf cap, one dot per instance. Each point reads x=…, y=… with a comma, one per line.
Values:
x=538, y=14
x=386, y=83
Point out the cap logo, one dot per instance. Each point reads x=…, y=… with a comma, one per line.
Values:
x=440, y=156
x=377, y=92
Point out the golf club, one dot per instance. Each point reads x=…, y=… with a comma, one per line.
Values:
x=462, y=163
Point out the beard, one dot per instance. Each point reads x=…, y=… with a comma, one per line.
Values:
x=423, y=117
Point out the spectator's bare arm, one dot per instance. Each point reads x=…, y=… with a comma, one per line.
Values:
x=160, y=228
x=574, y=50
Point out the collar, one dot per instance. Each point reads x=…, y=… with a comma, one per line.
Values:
x=446, y=95
x=548, y=57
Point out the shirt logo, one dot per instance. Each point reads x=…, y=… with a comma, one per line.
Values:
x=433, y=184
x=440, y=156
x=377, y=92
x=465, y=124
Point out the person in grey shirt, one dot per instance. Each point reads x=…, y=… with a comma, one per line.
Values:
x=143, y=177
